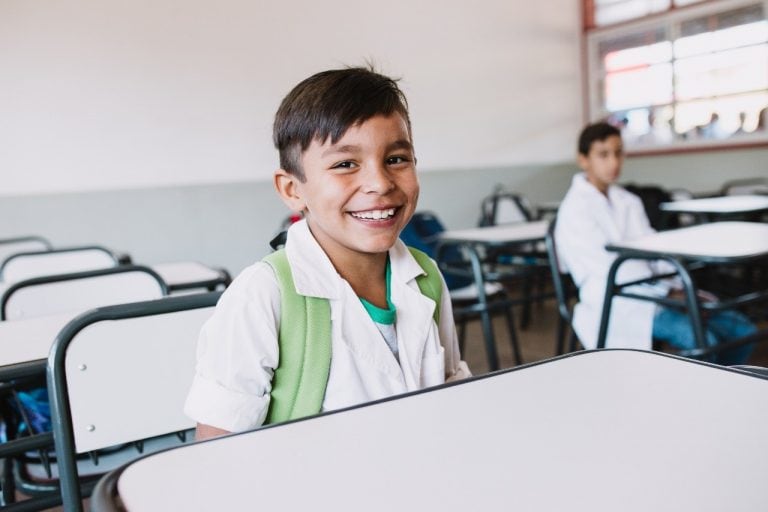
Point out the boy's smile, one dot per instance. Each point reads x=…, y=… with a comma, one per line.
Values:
x=358, y=193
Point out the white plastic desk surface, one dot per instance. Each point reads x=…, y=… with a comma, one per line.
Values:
x=29, y=339
x=183, y=272
x=726, y=204
x=603, y=431
x=522, y=232
x=715, y=240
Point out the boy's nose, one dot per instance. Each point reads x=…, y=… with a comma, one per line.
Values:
x=378, y=180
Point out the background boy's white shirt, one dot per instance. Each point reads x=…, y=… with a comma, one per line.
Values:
x=238, y=346
x=586, y=222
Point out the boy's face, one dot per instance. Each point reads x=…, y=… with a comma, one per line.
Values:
x=603, y=163
x=358, y=193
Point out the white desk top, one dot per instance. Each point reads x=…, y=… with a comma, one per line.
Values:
x=717, y=240
x=723, y=205
x=604, y=431
x=503, y=233
x=185, y=272
x=29, y=339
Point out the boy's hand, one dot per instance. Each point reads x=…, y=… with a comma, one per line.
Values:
x=703, y=295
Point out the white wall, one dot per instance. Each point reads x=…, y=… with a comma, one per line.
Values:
x=144, y=125
x=119, y=94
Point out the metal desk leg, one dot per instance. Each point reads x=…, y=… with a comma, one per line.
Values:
x=691, y=302
x=485, y=314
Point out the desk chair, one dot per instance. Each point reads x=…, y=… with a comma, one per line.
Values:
x=11, y=246
x=51, y=295
x=80, y=291
x=460, y=274
x=508, y=208
x=505, y=208
x=563, y=285
x=120, y=374
x=27, y=265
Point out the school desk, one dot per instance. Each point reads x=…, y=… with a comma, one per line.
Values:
x=600, y=430
x=708, y=244
x=478, y=241
x=712, y=208
x=190, y=275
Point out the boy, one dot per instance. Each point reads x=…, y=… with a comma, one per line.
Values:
x=347, y=163
x=595, y=212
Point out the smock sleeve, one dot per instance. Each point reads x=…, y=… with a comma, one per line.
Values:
x=455, y=367
x=237, y=353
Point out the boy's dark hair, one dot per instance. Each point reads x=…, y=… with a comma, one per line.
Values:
x=595, y=132
x=327, y=104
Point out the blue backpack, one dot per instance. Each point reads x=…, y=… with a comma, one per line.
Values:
x=423, y=233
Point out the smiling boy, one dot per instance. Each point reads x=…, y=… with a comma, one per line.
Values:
x=347, y=162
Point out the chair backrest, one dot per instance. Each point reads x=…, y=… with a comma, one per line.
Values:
x=27, y=265
x=11, y=246
x=423, y=233
x=504, y=208
x=559, y=274
x=80, y=291
x=652, y=196
x=121, y=373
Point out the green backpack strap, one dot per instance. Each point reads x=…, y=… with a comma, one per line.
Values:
x=429, y=283
x=301, y=376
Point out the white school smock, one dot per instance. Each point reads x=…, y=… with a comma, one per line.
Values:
x=238, y=348
x=587, y=221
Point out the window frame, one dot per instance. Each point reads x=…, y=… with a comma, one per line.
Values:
x=669, y=19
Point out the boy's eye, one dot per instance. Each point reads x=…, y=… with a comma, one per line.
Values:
x=399, y=159
x=346, y=164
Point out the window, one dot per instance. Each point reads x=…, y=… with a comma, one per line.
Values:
x=687, y=77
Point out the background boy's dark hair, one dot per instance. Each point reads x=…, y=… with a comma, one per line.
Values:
x=593, y=132
x=327, y=104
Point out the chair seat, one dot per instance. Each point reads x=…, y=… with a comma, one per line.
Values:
x=470, y=292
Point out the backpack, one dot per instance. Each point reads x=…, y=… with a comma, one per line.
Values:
x=300, y=379
x=423, y=232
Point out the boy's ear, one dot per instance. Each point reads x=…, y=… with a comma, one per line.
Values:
x=287, y=186
x=582, y=161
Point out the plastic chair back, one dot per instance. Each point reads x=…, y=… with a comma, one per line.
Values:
x=11, y=246
x=120, y=374
x=504, y=208
x=51, y=295
x=28, y=265
x=559, y=274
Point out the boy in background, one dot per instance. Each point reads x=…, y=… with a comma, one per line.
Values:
x=596, y=212
x=347, y=163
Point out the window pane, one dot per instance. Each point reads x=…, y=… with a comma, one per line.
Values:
x=720, y=118
x=614, y=11
x=721, y=73
x=650, y=85
x=732, y=37
x=613, y=52
x=640, y=56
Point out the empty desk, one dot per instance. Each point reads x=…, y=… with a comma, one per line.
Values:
x=476, y=240
x=602, y=430
x=713, y=208
x=190, y=275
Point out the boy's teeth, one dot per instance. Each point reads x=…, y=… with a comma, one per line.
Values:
x=375, y=214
